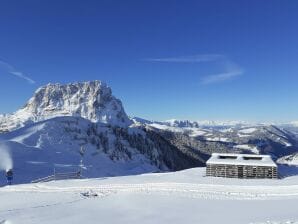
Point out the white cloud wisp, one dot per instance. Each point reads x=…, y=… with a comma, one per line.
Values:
x=189, y=59
x=12, y=71
x=231, y=69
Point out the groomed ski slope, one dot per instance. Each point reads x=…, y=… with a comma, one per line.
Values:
x=180, y=197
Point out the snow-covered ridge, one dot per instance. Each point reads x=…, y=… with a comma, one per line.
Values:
x=91, y=100
x=293, y=123
x=240, y=137
x=289, y=160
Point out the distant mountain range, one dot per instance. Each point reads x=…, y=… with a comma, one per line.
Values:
x=64, y=124
x=276, y=140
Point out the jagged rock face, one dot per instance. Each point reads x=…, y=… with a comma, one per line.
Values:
x=90, y=100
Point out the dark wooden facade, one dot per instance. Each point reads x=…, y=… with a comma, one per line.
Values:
x=241, y=171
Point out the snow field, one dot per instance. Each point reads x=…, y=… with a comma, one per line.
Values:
x=179, y=197
x=207, y=191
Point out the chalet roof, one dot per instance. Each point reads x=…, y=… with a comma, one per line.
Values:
x=241, y=159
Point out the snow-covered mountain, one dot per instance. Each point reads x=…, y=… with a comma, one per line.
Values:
x=293, y=123
x=227, y=137
x=292, y=127
x=59, y=121
x=90, y=100
x=289, y=159
x=38, y=148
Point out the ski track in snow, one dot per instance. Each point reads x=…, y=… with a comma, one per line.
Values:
x=208, y=191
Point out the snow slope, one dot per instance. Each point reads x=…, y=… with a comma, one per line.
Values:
x=181, y=197
x=40, y=148
x=55, y=144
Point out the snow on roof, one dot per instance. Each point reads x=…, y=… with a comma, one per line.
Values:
x=241, y=159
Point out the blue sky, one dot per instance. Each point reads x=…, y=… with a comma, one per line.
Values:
x=218, y=60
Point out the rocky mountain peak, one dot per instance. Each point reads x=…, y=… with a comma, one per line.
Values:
x=92, y=100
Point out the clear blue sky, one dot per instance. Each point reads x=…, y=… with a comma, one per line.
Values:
x=219, y=60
